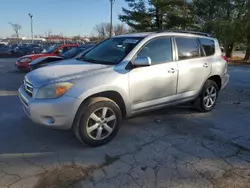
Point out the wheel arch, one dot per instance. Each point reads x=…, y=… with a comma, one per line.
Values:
x=217, y=79
x=110, y=94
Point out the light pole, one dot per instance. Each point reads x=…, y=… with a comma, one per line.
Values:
x=111, y=18
x=31, y=26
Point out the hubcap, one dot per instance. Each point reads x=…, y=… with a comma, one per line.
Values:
x=101, y=123
x=210, y=97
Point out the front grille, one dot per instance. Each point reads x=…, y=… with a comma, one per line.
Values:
x=24, y=102
x=28, y=87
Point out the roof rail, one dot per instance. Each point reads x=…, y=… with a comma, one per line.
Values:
x=185, y=31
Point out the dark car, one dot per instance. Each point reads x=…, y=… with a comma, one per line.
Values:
x=36, y=48
x=4, y=50
x=27, y=49
x=73, y=53
x=23, y=50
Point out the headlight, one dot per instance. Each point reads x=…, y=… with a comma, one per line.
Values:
x=53, y=91
x=25, y=60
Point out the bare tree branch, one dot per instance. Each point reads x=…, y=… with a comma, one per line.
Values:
x=103, y=30
x=16, y=28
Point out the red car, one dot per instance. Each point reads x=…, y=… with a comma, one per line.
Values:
x=22, y=63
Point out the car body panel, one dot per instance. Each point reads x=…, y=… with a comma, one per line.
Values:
x=145, y=79
x=67, y=70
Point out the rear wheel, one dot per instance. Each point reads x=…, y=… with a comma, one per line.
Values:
x=97, y=121
x=207, y=99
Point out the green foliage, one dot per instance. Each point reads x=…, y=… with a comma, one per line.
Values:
x=228, y=20
x=148, y=15
x=225, y=19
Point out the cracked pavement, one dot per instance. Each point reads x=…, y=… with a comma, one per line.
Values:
x=175, y=147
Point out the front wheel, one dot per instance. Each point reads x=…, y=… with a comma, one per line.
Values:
x=207, y=99
x=97, y=121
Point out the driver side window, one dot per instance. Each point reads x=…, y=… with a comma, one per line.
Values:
x=159, y=50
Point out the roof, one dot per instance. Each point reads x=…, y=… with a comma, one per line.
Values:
x=169, y=32
x=142, y=34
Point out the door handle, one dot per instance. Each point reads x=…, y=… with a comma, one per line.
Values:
x=205, y=65
x=172, y=71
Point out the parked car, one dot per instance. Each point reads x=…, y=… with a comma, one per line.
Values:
x=22, y=63
x=4, y=50
x=23, y=50
x=72, y=53
x=123, y=76
x=12, y=48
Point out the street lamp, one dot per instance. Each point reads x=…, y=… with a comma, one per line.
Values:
x=111, y=18
x=31, y=26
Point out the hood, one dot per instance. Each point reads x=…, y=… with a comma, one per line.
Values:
x=40, y=59
x=63, y=71
x=34, y=56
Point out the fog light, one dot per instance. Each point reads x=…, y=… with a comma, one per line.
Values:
x=49, y=120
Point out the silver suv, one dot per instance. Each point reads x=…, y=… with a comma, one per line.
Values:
x=123, y=76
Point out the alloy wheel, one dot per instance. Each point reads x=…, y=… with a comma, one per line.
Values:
x=101, y=123
x=210, y=96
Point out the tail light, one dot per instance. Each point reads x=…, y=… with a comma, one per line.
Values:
x=226, y=64
x=225, y=58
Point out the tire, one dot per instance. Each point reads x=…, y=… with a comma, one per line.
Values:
x=202, y=100
x=85, y=119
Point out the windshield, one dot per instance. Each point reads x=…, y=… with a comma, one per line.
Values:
x=84, y=51
x=111, y=51
x=51, y=49
x=71, y=53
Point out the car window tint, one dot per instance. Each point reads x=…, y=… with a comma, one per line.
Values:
x=159, y=50
x=112, y=51
x=188, y=48
x=208, y=46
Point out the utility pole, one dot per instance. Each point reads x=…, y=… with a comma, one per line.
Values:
x=111, y=18
x=31, y=26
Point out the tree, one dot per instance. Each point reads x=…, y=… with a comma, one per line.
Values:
x=103, y=30
x=148, y=15
x=120, y=29
x=223, y=19
x=16, y=28
x=77, y=38
x=247, y=31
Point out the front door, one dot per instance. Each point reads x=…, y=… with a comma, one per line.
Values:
x=153, y=85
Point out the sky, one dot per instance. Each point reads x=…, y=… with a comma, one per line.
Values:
x=70, y=17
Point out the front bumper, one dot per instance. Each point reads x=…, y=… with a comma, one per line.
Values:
x=23, y=66
x=225, y=80
x=55, y=113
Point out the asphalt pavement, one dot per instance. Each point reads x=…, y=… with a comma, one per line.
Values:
x=175, y=147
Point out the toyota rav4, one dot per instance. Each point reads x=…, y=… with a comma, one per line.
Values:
x=123, y=76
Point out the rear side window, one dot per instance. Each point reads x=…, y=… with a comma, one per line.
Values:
x=188, y=48
x=208, y=46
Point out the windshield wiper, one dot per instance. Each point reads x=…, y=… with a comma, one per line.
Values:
x=88, y=60
x=94, y=61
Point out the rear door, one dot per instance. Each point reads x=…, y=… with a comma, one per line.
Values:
x=194, y=69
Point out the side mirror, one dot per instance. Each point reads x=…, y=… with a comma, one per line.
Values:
x=142, y=61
